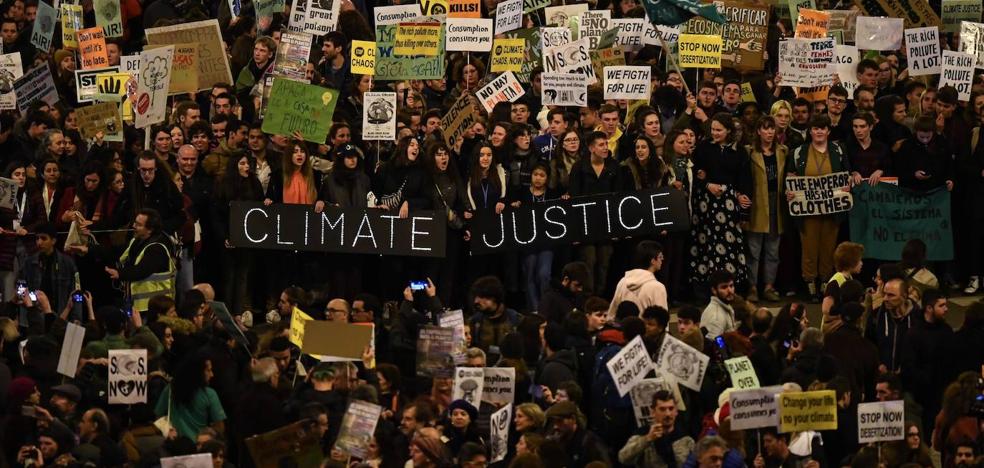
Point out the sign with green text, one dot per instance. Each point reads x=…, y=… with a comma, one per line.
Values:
x=390, y=67
x=300, y=107
x=885, y=217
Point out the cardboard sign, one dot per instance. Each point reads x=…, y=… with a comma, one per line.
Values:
x=460, y=117
x=213, y=65
x=434, y=348
x=68, y=361
x=396, y=14
x=336, y=339
x=564, y=89
x=499, y=387
x=684, y=364
x=184, y=68
x=35, y=85
x=71, y=22
x=923, y=49
x=886, y=216
x=753, y=409
x=844, y=21
x=297, y=444
x=744, y=34
x=379, y=116
x=972, y=41
x=629, y=82
x=464, y=9
x=108, y=17
x=198, y=460
x=358, y=426
x=391, y=67
x=630, y=365
x=700, y=51
x=100, y=117
x=503, y=88
x=955, y=11
x=85, y=82
x=916, y=13
x=468, y=384
x=806, y=62
x=302, y=107
x=508, y=16
x=581, y=219
x=417, y=39
x=507, y=55
x=812, y=24
x=44, y=26
x=363, y=58
x=845, y=65
x=820, y=195
x=881, y=421
x=740, y=369
x=499, y=439
x=437, y=8
x=92, y=47
x=807, y=411
x=958, y=71
x=593, y=24
x=127, y=376
x=155, y=78
x=561, y=15
x=293, y=52
x=879, y=33
x=352, y=230
x=470, y=35
x=10, y=70
x=130, y=64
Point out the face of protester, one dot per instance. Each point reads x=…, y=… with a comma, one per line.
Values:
x=177, y=138
x=460, y=418
x=219, y=130
x=713, y=457
x=732, y=94
x=87, y=427
x=538, y=178
x=945, y=108
x=836, y=104
x=19, y=175
x=68, y=63
x=588, y=117
x=485, y=158
x=674, y=80
x=651, y=126
x=767, y=134
x=118, y=183
x=408, y=422
x=706, y=97
x=168, y=338
x=869, y=77
x=242, y=166
x=261, y=54
x=56, y=146
x=861, y=129
x=571, y=142
x=912, y=437
x=256, y=140
x=599, y=148
x=299, y=156
x=685, y=325
x=927, y=103
x=865, y=101
x=486, y=305
x=609, y=122
x=819, y=134
x=162, y=142
x=965, y=456
x=719, y=133
x=521, y=446
x=48, y=447
x=597, y=320
x=522, y=141
x=641, y=150
x=222, y=105
x=523, y=422
x=557, y=125
x=413, y=150
x=148, y=171
x=365, y=83
x=898, y=114
x=191, y=116
x=565, y=426
x=924, y=137
x=892, y=293
x=51, y=173
x=282, y=359
x=681, y=145
x=520, y=113
x=478, y=129
x=200, y=142
x=469, y=74
x=441, y=160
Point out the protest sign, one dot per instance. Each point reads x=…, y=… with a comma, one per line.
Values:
x=468, y=384
x=819, y=195
x=812, y=24
x=321, y=16
x=85, y=82
x=670, y=34
x=630, y=365
x=92, y=48
x=554, y=36
x=747, y=93
x=302, y=107
x=296, y=331
x=198, y=460
x=358, y=427
x=100, y=117
x=130, y=64
x=530, y=6
x=564, y=89
x=297, y=17
x=502, y=88
x=293, y=52
x=603, y=58
x=455, y=320
x=922, y=46
x=390, y=15
x=500, y=385
x=108, y=17
x=10, y=71
x=886, y=216
x=499, y=438
x=44, y=26
x=434, y=348
x=881, y=421
x=740, y=369
x=459, y=119
x=363, y=57
x=532, y=53
x=629, y=82
x=298, y=227
x=113, y=87
x=379, y=116
x=436, y=8
x=346, y=341
x=844, y=21
x=297, y=444
x=629, y=32
x=916, y=13
x=8, y=194
x=68, y=360
x=700, y=51
x=794, y=7
x=805, y=62
x=507, y=55
x=184, y=68
x=213, y=65
x=752, y=409
x=561, y=15
x=508, y=16
x=470, y=35
x=879, y=33
x=593, y=24
x=389, y=67
x=71, y=22
x=972, y=41
x=127, y=376
x=681, y=362
x=744, y=34
x=955, y=11
x=807, y=411
x=155, y=78
x=417, y=39
x=957, y=71
x=581, y=219
x=642, y=398
x=35, y=85
x=464, y=9
x=845, y=65
x=573, y=57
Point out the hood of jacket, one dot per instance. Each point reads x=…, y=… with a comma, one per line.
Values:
x=635, y=279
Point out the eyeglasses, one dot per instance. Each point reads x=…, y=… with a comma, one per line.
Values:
x=837, y=100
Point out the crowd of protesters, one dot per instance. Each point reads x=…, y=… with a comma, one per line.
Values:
x=133, y=244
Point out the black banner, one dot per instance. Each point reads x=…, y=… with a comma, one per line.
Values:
x=582, y=219
x=349, y=230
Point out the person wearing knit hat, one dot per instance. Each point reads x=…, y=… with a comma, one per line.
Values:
x=463, y=425
x=566, y=424
x=23, y=391
x=428, y=452
x=62, y=54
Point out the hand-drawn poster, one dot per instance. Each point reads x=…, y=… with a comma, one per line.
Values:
x=10, y=70
x=379, y=116
x=683, y=363
x=155, y=77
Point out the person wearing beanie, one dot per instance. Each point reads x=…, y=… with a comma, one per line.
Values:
x=428, y=452
x=566, y=425
x=462, y=427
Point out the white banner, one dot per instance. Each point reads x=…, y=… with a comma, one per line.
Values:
x=68, y=361
x=468, y=35
x=35, y=85
x=504, y=87
x=630, y=365
x=845, y=65
x=564, y=89
x=127, y=376
x=594, y=23
x=508, y=16
x=396, y=14
x=629, y=32
x=805, y=62
x=752, y=409
x=468, y=384
x=650, y=36
x=642, y=398
x=682, y=362
x=877, y=33
x=379, y=116
x=155, y=77
x=958, y=71
x=922, y=46
x=499, y=424
x=561, y=15
x=628, y=82
x=881, y=421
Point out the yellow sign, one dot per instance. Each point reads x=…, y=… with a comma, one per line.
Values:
x=71, y=20
x=803, y=411
x=417, y=39
x=112, y=87
x=747, y=94
x=297, y=319
x=363, y=58
x=184, y=68
x=508, y=55
x=434, y=7
x=700, y=51
x=465, y=9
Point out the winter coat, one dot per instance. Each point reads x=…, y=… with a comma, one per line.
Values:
x=640, y=287
x=762, y=207
x=558, y=368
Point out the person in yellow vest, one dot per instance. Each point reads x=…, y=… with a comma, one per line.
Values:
x=146, y=264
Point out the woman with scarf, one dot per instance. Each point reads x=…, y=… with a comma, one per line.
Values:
x=485, y=189
x=768, y=162
x=448, y=197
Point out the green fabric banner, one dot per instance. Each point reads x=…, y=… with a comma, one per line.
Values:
x=885, y=217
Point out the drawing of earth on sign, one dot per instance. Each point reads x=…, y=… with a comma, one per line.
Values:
x=110, y=10
x=682, y=362
x=6, y=81
x=380, y=111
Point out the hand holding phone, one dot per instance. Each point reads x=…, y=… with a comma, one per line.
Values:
x=418, y=285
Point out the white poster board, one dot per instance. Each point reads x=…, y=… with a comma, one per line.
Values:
x=881, y=421
x=923, y=49
x=682, y=362
x=630, y=365
x=379, y=116
x=127, y=376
